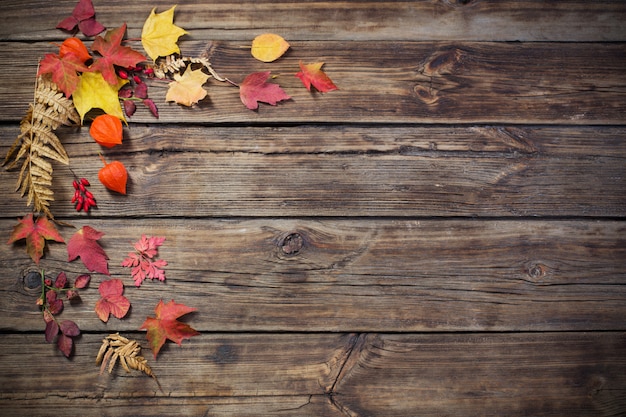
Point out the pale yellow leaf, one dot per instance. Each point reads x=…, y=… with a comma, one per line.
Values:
x=187, y=88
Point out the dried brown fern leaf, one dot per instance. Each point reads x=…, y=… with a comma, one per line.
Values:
x=37, y=143
x=116, y=348
x=174, y=64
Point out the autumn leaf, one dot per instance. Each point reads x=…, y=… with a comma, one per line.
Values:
x=159, y=36
x=166, y=326
x=268, y=47
x=187, y=89
x=85, y=244
x=64, y=70
x=255, y=88
x=36, y=232
x=112, y=301
x=312, y=74
x=142, y=260
x=82, y=16
x=93, y=92
x=113, y=53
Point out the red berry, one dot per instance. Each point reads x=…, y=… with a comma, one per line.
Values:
x=85, y=182
x=75, y=184
x=137, y=79
x=122, y=74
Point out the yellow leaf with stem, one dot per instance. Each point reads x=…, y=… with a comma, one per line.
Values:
x=160, y=35
x=94, y=92
x=187, y=89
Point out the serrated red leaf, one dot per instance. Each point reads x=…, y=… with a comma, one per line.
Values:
x=82, y=16
x=312, y=74
x=52, y=329
x=82, y=281
x=113, y=53
x=112, y=301
x=65, y=344
x=69, y=328
x=64, y=71
x=84, y=243
x=255, y=89
x=166, y=326
x=36, y=232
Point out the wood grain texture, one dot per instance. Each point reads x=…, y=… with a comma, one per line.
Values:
x=393, y=82
x=490, y=20
x=485, y=375
x=335, y=275
x=332, y=375
x=482, y=171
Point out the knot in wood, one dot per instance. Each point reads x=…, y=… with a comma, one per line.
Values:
x=32, y=280
x=536, y=271
x=292, y=244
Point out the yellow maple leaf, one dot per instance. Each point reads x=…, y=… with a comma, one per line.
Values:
x=160, y=35
x=94, y=92
x=269, y=47
x=187, y=88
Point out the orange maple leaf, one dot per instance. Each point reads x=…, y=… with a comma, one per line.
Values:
x=312, y=74
x=166, y=326
x=36, y=232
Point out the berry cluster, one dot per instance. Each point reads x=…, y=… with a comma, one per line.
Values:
x=136, y=89
x=83, y=198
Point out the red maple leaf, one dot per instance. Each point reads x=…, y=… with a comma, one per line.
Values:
x=312, y=74
x=255, y=88
x=166, y=326
x=85, y=244
x=82, y=16
x=36, y=232
x=113, y=53
x=64, y=70
x=142, y=260
x=112, y=301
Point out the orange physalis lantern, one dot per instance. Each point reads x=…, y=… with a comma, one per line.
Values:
x=113, y=176
x=106, y=130
x=74, y=46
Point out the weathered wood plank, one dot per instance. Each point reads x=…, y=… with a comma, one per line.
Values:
x=230, y=374
x=393, y=82
x=490, y=20
x=358, y=275
x=485, y=375
x=348, y=171
x=393, y=375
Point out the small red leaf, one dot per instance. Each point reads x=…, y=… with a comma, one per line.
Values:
x=61, y=280
x=82, y=281
x=312, y=74
x=82, y=16
x=69, y=328
x=84, y=243
x=255, y=88
x=52, y=329
x=65, y=344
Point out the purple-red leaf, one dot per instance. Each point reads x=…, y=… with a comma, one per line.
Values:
x=82, y=281
x=255, y=88
x=61, y=280
x=52, y=329
x=83, y=16
x=69, y=328
x=65, y=344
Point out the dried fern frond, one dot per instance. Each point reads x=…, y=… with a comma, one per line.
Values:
x=116, y=347
x=174, y=64
x=37, y=143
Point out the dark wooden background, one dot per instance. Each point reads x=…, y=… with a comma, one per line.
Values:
x=444, y=235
